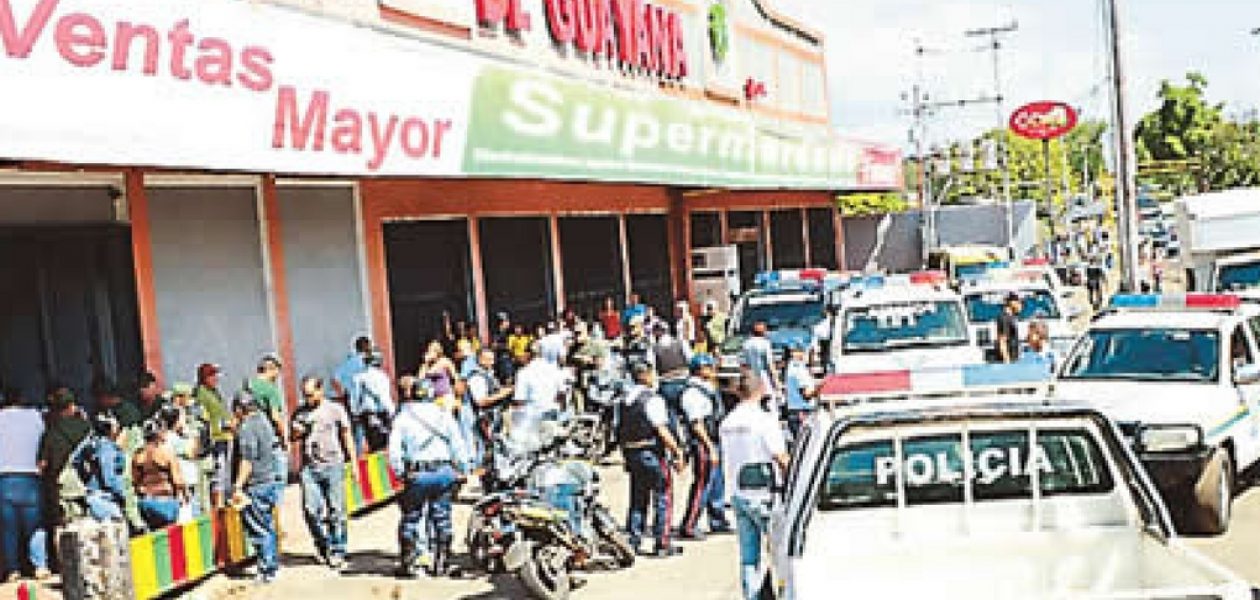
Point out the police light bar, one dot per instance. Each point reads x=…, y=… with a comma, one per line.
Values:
x=929, y=278
x=789, y=277
x=1037, y=262
x=1176, y=301
x=934, y=381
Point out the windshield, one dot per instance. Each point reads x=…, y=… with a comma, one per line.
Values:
x=1146, y=355
x=904, y=324
x=985, y=307
x=795, y=311
x=1236, y=278
x=1067, y=461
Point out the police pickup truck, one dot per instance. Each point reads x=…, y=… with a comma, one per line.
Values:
x=1179, y=374
x=977, y=494
x=912, y=321
x=986, y=298
x=790, y=303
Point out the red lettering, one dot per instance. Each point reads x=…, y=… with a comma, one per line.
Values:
x=180, y=39
x=256, y=65
x=586, y=24
x=606, y=33
x=19, y=45
x=440, y=128
x=560, y=17
x=347, y=134
x=517, y=18
x=82, y=48
x=654, y=19
x=491, y=12
x=214, y=66
x=678, y=66
x=381, y=139
x=644, y=56
x=310, y=130
x=127, y=33
x=624, y=11
x=415, y=148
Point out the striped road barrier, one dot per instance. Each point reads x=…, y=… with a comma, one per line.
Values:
x=185, y=553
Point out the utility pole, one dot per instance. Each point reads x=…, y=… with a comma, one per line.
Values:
x=1003, y=141
x=1126, y=184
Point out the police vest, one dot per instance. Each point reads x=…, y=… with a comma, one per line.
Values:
x=492, y=386
x=670, y=357
x=715, y=402
x=636, y=430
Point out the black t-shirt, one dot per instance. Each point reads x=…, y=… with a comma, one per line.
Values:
x=1007, y=327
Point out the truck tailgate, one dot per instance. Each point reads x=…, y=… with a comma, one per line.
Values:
x=1091, y=563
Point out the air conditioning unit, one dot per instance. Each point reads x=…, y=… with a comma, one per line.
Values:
x=715, y=275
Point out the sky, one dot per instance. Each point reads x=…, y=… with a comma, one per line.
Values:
x=1056, y=54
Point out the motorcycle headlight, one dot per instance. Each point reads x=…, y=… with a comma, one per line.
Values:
x=1169, y=438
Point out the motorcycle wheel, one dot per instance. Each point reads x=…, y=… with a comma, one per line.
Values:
x=546, y=574
x=612, y=539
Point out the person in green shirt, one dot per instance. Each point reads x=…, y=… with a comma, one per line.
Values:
x=266, y=392
x=222, y=427
x=149, y=398
x=110, y=400
x=67, y=427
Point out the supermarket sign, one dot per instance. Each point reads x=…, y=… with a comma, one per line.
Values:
x=235, y=86
x=531, y=125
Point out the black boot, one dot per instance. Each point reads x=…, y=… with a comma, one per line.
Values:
x=407, y=562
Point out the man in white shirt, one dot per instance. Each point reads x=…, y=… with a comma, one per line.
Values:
x=22, y=537
x=685, y=324
x=699, y=404
x=757, y=355
x=535, y=397
x=372, y=405
x=752, y=440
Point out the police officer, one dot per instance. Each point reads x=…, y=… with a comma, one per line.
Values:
x=650, y=449
x=800, y=389
x=637, y=347
x=699, y=402
x=426, y=448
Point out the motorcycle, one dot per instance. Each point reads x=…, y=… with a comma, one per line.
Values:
x=545, y=522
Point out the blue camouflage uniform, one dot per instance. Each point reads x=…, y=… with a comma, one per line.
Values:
x=427, y=450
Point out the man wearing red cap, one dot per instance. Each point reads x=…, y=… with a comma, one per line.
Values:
x=222, y=425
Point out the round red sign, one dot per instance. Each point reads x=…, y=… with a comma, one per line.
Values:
x=1043, y=120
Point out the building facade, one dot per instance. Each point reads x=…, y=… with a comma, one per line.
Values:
x=187, y=181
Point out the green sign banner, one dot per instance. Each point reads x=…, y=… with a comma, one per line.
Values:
x=531, y=125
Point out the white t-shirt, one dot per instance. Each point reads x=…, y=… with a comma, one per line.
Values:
x=695, y=404
x=749, y=435
x=21, y=429
x=538, y=385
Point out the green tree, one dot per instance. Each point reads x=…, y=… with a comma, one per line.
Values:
x=1182, y=133
x=871, y=203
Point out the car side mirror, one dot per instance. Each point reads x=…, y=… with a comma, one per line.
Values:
x=1247, y=374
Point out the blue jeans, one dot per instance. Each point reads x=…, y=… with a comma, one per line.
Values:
x=715, y=499
x=260, y=525
x=650, y=484
x=425, y=503
x=324, y=507
x=468, y=428
x=22, y=533
x=159, y=511
x=752, y=519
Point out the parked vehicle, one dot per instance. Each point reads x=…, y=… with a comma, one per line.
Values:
x=790, y=303
x=983, y=493
x=985, y=301
x=545, y=520
x=1219, y=248
x=909, y=321
x=1179, y=373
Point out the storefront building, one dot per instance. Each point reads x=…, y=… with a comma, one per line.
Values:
x=203, y=181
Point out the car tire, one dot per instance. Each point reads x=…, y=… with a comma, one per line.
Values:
x=1213, y=495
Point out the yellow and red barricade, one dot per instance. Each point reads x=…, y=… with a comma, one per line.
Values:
x=171, y=558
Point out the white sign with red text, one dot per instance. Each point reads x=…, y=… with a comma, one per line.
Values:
x=218, y=84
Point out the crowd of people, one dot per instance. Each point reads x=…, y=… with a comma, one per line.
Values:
x=159, y=457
